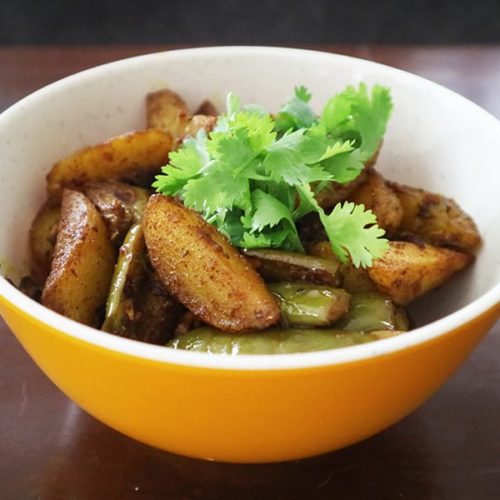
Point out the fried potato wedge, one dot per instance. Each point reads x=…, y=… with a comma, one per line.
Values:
x=407, y=271
x=135, y=157
x=278, y=265
x=167, y=111
x=377, y=196
x=42, y=239
x=83, y=262
x=199, y=122
x=436, y=219
x=203, y=270
x=207, y=108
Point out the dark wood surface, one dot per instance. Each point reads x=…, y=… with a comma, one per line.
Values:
x=448, y=449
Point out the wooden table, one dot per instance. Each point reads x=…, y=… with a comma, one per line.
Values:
x=450, y=448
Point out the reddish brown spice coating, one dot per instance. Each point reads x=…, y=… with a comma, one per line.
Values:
x=203, y=270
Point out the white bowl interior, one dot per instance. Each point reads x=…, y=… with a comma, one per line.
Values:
x=436, y=139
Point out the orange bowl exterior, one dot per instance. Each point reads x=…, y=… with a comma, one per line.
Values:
x=241, y=415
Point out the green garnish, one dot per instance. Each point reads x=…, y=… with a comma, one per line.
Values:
x=254, y=176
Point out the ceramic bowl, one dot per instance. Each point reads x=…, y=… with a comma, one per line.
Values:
x=253, y=408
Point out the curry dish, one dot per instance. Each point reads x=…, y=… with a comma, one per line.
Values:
x=257, y=266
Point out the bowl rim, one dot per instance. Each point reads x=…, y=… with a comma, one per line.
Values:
x=255, y=362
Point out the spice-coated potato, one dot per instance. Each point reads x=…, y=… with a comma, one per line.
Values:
x=203, y=270
x=199, y=122
x=436, y=219
x=407, y=271
x=42, y=239
x=83, y=262
x=277, y=265
x=207, y=108
x=135, y=157
x=380, y=198
x=167, y=111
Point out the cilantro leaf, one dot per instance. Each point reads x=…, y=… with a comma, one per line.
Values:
x=358, y=114
x=232, y=150
x=344, y=167
x=274, y=239
x=337, y=148
x=185, y=164
x=255, y=109
x=268, y=212
x=229, y=223
x=302, y=93
x=281, y=191
x=233, y=104
x=292, y=158
x=258, y=128
x=296, y=113
x=353, y=231
x=212, y=192
x=284, y=162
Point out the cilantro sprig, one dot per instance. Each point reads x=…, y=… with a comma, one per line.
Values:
x=254, y=175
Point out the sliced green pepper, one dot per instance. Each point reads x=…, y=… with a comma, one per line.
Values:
x=129, y=273
x=306, y=304
x=371, y=311
x=285, y=341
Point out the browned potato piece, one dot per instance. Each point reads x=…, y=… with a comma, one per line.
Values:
x=199, y=122
x=206, y=108
x=83, y=262
x=353, y=279
x=203, y=270
x=407, y=271
x=167, y=111
x=278, y=265
x=377, y=196
x=436, y=219
x=135, y=157
x=42, y=239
